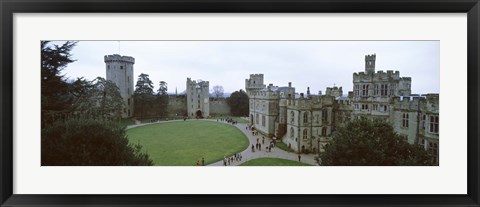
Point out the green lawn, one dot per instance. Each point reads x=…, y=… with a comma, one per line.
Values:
x=272, y=162
x=238, y=119
x=182, y=143
x=283, y=146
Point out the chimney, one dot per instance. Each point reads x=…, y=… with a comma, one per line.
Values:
x=289, y=84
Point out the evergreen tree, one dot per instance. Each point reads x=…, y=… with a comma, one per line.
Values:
x=55, y=96
x=162, y=99
x=143, y=95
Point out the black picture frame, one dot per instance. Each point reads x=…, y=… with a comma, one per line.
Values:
x=10, y=7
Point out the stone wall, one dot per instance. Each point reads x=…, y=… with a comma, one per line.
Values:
x=219, y=107
x=177, y=105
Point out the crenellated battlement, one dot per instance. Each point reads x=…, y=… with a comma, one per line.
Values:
x=428, y=102
x=119, y=58
x=199, y=83
x=379, y=75
x=312, y=102
x=264, y=94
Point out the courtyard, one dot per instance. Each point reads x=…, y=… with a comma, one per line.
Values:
x=183, y=143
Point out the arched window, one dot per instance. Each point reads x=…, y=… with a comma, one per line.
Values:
x=305, y=117
x=305, y=133
x=292, y=132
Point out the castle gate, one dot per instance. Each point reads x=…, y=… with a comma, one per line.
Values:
x=199, y=114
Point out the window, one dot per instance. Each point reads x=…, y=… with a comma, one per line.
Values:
x=405, y=120
x=324, y=131
x=324, y=116
x=263, y=121
x=257, y=119
x=128, y=100
x=364, y=107
x=365, y=90
x=356, y=90
x=424, y=121
x=121, y=67
x=108, y=67
x=292, y=132
x=375, y=107
x=384, y=89
x=392, y=89
x=305, y=134
x=317, y=119
x=434, y=124
x=383, y=108
x=375, y=90
x=305, y=117
x=292, y=117
x=356, y=107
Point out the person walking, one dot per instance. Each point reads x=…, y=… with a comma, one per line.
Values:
x=263, y=140
x=198, y=162
x=299, y=157
x=259, y=147
x=203, y=161
x=253, y=150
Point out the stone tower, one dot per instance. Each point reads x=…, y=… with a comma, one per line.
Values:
x=120, y=71
x=198, y=94
x=255, y=82
x=370, y=63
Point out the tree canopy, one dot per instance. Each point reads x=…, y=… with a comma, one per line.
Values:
x=365, y=142
x=238, y=102
x=55, y=91
x=89, y=142
x=144, y=84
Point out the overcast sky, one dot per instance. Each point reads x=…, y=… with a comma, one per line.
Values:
x=314, y=64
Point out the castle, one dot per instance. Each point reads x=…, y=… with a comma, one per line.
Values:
x=305, y=122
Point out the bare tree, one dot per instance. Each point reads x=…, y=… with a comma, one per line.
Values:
x=217, y=91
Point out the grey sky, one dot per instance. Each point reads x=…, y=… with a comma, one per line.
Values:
x=317, y=64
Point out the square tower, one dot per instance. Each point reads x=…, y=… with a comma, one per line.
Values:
x=120, y=71
x=198, y=103
x=370, y=63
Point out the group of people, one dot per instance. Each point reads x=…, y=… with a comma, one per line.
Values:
x=202, y=163
x=258, y=145
x=228, y=120
x=252, y=128
x=230, y=160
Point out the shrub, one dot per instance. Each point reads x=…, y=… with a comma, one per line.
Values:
x=89, y=142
